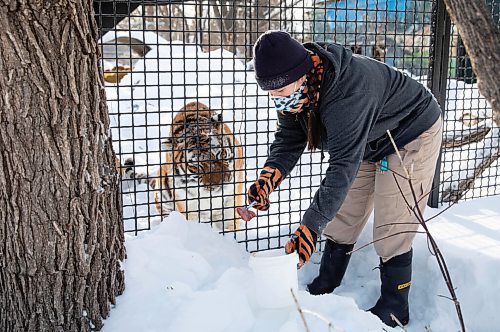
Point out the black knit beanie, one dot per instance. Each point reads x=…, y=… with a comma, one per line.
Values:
x=279, y=60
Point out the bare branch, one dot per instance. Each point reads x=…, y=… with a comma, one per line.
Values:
x=433, y=188
x=395, y=223
x=441, y=212
x=277, y=11
x=406, y=201
x=454, y=195
x=446, y=297
x=439, y=257
x=300, y=310
x=397, y=152
x=400, y=325
x=383, y=238
x=315, y=314
x=427, y=220
x=473, y=137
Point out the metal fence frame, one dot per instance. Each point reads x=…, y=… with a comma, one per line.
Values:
x=109, y=14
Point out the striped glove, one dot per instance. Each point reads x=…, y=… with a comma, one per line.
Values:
x=269, y=179
x=303, y=240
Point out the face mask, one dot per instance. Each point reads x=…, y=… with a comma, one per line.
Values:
x=287, y=103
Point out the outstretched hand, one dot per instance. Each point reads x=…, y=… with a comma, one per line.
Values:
x=303, y=240
x=269, y=179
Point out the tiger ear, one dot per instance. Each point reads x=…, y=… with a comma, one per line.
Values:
x=216, y=118
x=167, y=144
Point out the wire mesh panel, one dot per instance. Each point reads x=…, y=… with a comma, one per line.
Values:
x=191, y=127
x=471, y=148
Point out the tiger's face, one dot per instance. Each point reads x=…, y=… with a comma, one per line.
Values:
x=203, y=155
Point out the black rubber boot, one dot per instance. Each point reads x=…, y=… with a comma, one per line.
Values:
x=395, y=275
x=332, y=269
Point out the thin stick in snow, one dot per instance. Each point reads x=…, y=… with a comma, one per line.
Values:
x=300, y=310
x=383, y=238
x=315, y=314
x=437, y=252
x=397, y=152
x=394, y=318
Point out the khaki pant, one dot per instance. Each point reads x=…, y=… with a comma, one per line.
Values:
x=374, y=190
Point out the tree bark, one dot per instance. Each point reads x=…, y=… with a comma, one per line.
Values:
x=61, y=231
x=480, y=37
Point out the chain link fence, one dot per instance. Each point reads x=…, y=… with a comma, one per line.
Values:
x=471, y=149
x=159, y=56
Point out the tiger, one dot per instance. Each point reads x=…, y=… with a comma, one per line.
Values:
x=126, y=174
x=202, y=174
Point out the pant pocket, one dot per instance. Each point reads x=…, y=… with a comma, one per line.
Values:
x=410, y=151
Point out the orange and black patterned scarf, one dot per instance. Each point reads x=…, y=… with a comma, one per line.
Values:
x=314, y=78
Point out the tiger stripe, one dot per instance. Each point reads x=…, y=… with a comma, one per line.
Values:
x=303, y=240
x=269, y=179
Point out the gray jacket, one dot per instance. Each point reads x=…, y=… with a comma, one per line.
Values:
x=360, y=99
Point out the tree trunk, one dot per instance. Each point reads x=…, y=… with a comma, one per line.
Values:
x=61, y=233
x=480, y=37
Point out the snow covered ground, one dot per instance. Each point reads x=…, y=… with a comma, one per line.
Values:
x=184, y=277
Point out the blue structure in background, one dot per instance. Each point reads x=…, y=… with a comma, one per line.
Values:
x=364, y=24
x=359, y=10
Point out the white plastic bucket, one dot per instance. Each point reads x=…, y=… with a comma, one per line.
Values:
x=275, y=273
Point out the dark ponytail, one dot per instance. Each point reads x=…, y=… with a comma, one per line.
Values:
x=314, y=122
x=313, y=131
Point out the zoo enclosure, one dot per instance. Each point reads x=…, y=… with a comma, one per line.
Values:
x=159, y=55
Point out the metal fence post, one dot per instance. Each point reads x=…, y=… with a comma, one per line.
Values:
x=438, y=75
x=166, y=53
